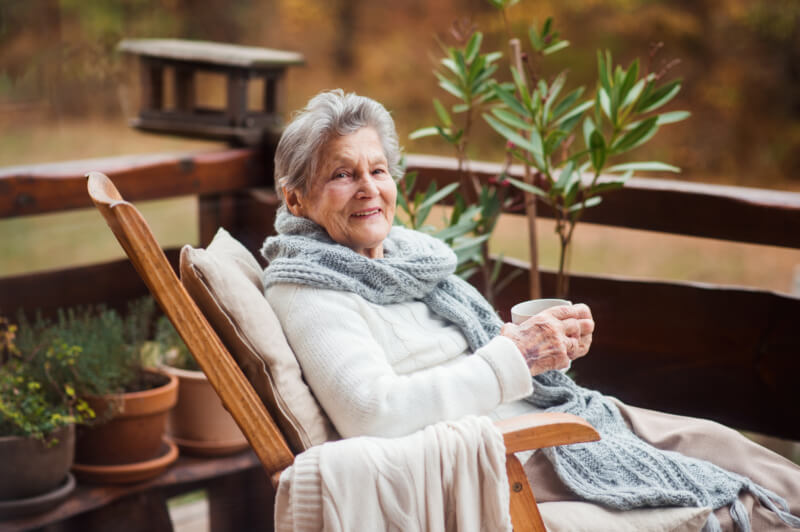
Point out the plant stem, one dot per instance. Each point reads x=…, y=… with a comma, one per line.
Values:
x=530, y=199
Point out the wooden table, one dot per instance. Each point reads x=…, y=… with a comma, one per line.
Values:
x=239, y=497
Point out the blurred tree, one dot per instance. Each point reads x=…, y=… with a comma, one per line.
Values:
x=346, y=28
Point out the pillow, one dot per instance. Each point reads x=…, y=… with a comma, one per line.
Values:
x=225, y=282
x=587, y=517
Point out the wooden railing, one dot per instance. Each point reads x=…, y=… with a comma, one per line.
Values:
x=730, y=354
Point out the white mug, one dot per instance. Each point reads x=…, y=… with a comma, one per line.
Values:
x=522, y=311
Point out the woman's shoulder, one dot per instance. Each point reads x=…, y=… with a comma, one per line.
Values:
x=286, y=298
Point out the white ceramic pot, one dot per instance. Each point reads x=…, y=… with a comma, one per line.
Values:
x=199, y=424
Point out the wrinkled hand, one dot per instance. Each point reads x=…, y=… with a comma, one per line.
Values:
x=553, y=337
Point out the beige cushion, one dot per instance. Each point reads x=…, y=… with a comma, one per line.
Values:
x=225, y=282
x=588, y=517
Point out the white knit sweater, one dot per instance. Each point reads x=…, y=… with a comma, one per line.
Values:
x=389, y=370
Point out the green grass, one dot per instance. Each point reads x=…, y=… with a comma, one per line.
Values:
x=51, y=241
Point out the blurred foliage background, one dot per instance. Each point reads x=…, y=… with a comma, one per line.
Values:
x=740, y=60
x=65, y=93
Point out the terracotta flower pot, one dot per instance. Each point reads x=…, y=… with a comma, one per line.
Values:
x=136, y=430
x=199, y=423
x=34, y=467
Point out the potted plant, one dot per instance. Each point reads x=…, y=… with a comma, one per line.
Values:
x=565, y=140
x=199, y=423
x=38, y=413
x=131, y=399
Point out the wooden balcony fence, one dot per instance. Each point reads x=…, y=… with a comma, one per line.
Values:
x=729, y=354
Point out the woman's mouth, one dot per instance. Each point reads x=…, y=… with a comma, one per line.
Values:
x=367, y=212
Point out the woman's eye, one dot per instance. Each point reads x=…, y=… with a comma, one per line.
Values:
x=340, y=175
x=379, y=171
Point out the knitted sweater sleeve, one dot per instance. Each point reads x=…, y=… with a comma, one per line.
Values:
x=348, y=371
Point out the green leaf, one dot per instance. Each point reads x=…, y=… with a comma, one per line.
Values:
x=605, y=103
x=567, y=102
x=542, y=86
x=566, y=177
x=633, y=94
x=450, y=87
x=602, y=71
x=460, y=108
x=473, y=46
x=522, y=88
x=597, y=145
x=553, y=141
x=553, y=48
x=552, y=94
x=572, y=188
x=469, y=247
x=659, y=97
x=423, y=132
x=629, y=80
x=492, y=57
x=410, y=179
x=588, y=129
x=513, y=136
x=648, y=166
x=448, y=135
x=433, y=196
x=461, y=64
x=538, y=151
x=479, y=84
x=591, y=202
x=475, y=69
x=573, y=114
x=525, y=187
x=455, y=231
x=511, y=119
x=672, y=117
x=637, y=136
x=450, y=64
x=401, y=201
x=423, y=206
x=607, y=186
x=548, y=23
x=509, y=99
x=498, y=264
x=535, y=38
x=444, y=117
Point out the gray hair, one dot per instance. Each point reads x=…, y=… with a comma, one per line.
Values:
x=327, y=114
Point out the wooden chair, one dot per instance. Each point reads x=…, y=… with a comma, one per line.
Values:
x=131, y=230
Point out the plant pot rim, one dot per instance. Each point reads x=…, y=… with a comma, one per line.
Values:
x=60, y=430
x=132, y=471
x=144, y=402
x=141, y=394
x=188, y=374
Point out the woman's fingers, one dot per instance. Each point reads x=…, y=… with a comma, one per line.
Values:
x=563, y=312
x=577, y=328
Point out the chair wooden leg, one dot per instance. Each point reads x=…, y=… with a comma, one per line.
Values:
x=525, y=515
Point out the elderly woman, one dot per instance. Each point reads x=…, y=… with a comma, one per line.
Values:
x=390, y=340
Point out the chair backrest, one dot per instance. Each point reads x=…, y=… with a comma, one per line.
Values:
x=136, y=238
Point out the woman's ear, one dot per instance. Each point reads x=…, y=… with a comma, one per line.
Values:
x=294, y=201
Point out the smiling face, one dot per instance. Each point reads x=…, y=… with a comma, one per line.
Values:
x=352, y=195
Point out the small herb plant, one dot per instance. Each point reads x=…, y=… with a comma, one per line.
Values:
x=536, y=119
x=111, y=360
x=37, y=385
x=173, y=351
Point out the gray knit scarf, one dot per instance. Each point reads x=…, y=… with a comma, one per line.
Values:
x=620, y=471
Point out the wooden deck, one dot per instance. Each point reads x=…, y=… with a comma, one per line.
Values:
x=725, y=353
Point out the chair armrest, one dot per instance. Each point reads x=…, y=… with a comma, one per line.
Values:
x=534, y=431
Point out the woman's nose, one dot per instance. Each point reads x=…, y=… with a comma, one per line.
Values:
x=366, y=184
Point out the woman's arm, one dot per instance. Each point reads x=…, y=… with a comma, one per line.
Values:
x=348, y=369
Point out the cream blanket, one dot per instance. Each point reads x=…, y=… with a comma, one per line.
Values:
x=449, y=476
